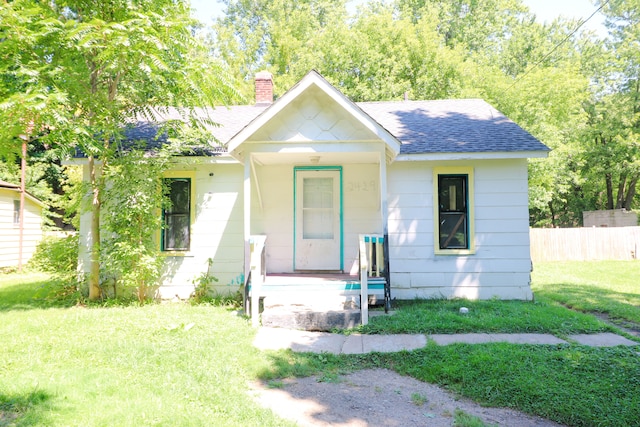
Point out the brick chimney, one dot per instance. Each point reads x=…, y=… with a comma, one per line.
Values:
x=264, y=88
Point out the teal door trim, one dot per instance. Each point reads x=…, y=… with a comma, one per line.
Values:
x=295, y=205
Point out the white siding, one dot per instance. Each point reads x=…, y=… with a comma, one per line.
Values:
x=501, y=263
x=217, y=233
x=499, y=267
x=361, y=209
x=275, y=217
x=10, y=233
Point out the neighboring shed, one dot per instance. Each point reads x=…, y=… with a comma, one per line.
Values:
x=10, y=225
x=610, y=218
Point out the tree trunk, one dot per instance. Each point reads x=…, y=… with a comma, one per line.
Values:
x=620, y=197
x=94, y=262
x=631, y=193
x=23, y=190
x=553, y=215
x=609, y=181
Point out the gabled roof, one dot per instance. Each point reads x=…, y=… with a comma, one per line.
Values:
x=313, y=78
x=409, y=128
x=420, y=127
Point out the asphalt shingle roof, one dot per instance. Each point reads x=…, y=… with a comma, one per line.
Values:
x=231, y=120
x=422, y=127
x=450, y=126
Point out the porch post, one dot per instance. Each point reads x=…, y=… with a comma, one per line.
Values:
x=246, y=191
x=384, y=203
x=247, y=206
x=384, y=214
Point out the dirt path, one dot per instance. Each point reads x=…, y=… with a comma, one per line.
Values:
x=377, y=397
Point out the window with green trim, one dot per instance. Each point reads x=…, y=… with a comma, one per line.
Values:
x=176, y=215
x=453, y=211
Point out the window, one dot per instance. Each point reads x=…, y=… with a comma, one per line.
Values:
x=176, y=216
x=454, y=196
x=16, y=212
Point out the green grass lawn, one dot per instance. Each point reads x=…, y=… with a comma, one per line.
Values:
x=443, y=317
x=178, y=364
x=610, y=287
x=161, y=364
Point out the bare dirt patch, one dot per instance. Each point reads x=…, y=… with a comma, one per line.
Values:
x=626, y=326
x=377, y=397
x=7, y=418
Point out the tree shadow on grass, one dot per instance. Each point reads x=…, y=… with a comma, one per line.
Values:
x=620, y=307
x=589, y=296
x=33, y=293
x=23, y=409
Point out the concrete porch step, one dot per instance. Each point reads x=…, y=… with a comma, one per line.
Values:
x=321, y=301
x=319, y=312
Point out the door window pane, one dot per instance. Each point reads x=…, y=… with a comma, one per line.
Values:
x=317, y=208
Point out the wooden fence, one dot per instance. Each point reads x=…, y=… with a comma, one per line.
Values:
x=584, y=244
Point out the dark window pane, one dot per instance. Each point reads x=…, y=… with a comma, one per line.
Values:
x=179, y=195
x=176, y=232
x=452, y=193
x=177, y=215
x=452, y=206
x=453, y=231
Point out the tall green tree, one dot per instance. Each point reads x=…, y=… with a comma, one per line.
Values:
x=272, y=34
x=613, y=136
x=115, y=62
x=28, y=102
x=387, y=54
x=478, y=26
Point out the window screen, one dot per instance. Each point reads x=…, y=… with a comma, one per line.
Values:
x=453, y=211
x=177, y=215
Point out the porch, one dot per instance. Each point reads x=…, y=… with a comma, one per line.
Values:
x=317, y=300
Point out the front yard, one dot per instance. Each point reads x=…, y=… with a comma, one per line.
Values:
x=178, y=364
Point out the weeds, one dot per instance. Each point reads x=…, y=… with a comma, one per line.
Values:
x=418, y=399
x=462, y=419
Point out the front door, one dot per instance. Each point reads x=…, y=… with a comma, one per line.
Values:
x=318, y=231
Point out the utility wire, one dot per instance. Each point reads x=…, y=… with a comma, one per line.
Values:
x=556, y=46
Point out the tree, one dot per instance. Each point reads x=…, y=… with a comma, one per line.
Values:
x=265, y=34
x=613, y=136
x=387, y=54
x=478, y=26
x=115, y=62
x=27, y=102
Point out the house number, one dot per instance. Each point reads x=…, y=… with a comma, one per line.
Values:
x=354, y=186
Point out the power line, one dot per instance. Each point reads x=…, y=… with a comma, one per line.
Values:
x=556, y=46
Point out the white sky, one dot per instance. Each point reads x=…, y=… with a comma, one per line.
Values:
x=545, y=10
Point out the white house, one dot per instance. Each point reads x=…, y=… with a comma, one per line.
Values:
x=10, y=225
x=444, y=182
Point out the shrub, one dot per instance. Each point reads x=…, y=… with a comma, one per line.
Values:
x=57, y=255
